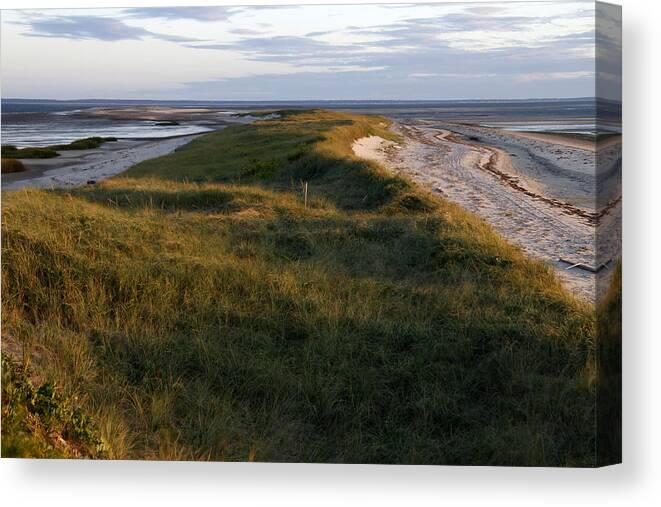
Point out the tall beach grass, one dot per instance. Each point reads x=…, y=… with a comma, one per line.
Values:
x=198, y=307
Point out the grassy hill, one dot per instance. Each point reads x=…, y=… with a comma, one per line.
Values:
x=196, y=308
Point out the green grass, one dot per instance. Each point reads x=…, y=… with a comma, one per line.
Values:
x=258, y=114
x=88, y=143
x=196, y=308
x=38, y=423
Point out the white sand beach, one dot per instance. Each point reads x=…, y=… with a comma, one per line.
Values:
x=519, y=184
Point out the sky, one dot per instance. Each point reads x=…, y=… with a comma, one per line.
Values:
x=333, y=52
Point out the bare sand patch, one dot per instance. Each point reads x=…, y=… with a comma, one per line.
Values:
x=373, y=148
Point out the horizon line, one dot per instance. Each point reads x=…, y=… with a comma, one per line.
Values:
x=98, y=99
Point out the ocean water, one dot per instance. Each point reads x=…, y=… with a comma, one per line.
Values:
x=27, y=122
x=43, y=129
x=578, y=127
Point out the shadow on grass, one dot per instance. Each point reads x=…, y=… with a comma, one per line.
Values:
x=132, y=195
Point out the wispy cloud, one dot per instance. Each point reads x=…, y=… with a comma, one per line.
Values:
x=303, y=51
x=207, y=14
x=93, y=27
x=476, y=29
x=550, y=76
x=246, y=31
x=202, y=13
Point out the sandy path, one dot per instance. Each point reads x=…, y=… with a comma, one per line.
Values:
x=485, y=181
x=94, y=165
x=373, y=148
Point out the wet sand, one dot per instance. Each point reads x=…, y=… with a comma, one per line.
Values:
x=208, y=116
x=537, y=194
x=572, y=142
x=78, y=167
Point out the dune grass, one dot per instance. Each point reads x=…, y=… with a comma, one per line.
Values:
x=11, y=151
x=196, y=307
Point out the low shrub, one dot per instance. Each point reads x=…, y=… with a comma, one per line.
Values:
x=11, y=165
x=9, y=151
x=89, y=143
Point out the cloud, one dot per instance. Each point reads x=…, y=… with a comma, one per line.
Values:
x=480, y=28
x=385, y=84
x=430, y=71
x=477, y=45
x=93, y=28
x=246, y=31
x=413, y=47
x=176, y=13
x=545, y=76
x=433, y=52
x=319, y=34
x=303, y=51
x=203, y=13
x=609, y=51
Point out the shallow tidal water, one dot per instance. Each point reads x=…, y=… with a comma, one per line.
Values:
x=44, y=129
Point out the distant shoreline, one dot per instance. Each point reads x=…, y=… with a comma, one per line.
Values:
x=80, y=167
